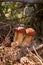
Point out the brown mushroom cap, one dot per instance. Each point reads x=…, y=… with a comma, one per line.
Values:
x=30, y=31
x=19, y=29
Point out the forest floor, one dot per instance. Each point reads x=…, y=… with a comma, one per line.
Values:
x=31, y=55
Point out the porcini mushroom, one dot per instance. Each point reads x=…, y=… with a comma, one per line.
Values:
x=30, y=32
x=15, y=29
x=18, y=38
x=21, y=31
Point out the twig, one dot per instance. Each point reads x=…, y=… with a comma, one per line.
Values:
x=37, y=48
x=25, y=60
x=9, y=31
x=7, y=36
x=36, y=53
x=2, y=23
x=40, y=46
x=1, y=27
x=35, y=56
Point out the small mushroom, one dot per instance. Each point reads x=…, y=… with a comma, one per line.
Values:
x=30, y=32
x=18, y=38
x=14, y=44
x=21, y=31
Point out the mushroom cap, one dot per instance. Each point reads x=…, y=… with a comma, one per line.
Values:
x=19, y=29
x=30, y=31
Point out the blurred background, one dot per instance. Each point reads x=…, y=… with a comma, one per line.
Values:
x=30, y=15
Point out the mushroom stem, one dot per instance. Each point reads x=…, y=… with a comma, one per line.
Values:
x=14, y=44
x=19, y=38
x=15, y=36
x=27, y=41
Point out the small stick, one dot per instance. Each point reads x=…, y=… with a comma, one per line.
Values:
x=40, y=46
x=1, y=27
x=37, y=48
x=35, y=56
x=36, y=53
x=6, y=36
